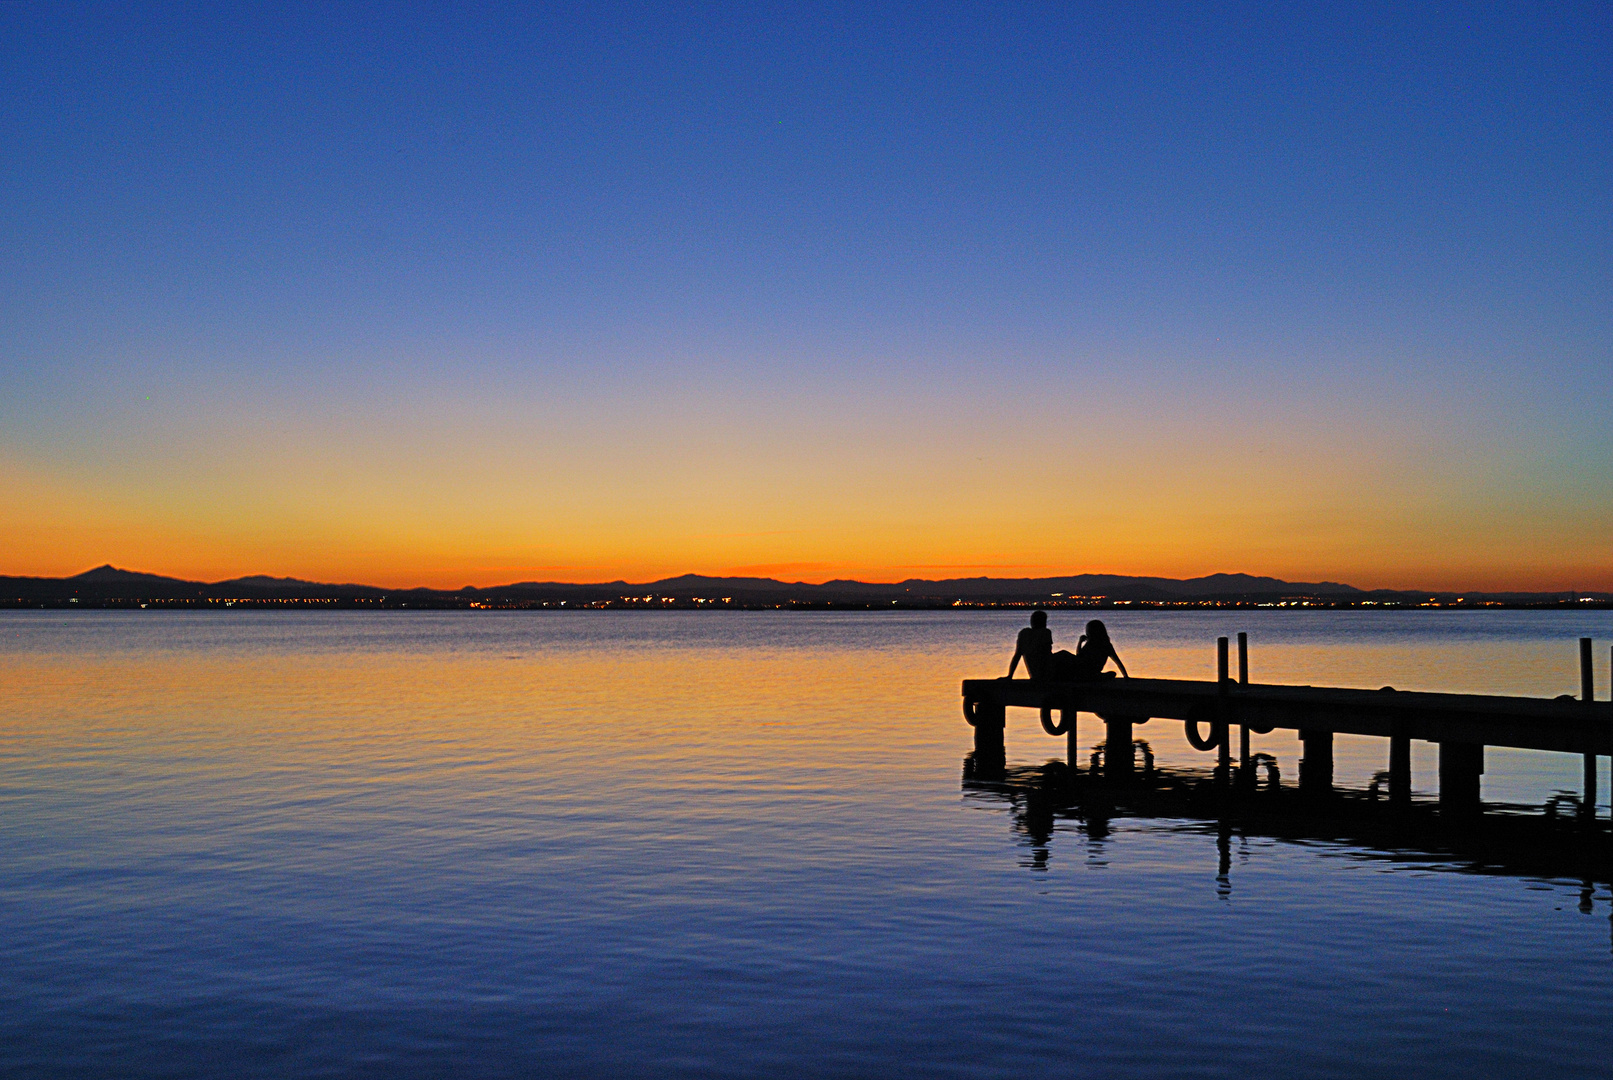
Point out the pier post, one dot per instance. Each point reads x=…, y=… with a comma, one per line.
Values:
x=1072, y=742
x=1223, y=763
x=989, y=724
x=1399, y=766
x=1316, y=762
x=1117, y=749
x=1243, y=729
x=1587, y=694
x=1460, y=766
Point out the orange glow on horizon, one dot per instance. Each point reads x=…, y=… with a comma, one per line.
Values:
x=814, y=573
x=925, y=495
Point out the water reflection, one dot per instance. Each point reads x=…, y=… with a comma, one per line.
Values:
x=729, y=846
x=1044, y=800
x=1223, y=870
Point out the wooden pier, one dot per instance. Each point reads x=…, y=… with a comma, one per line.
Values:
x=1461, y=724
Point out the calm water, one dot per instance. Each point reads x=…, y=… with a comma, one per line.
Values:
x=726, y=844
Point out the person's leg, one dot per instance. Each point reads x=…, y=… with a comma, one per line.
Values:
x=1082, y=668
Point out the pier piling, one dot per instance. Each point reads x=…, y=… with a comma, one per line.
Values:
x=1316, y=761
x=1587, y=694
x=1243, y=729
x=1224, y=753
x=1399, y=765
x=1460, y=766
x=990, y=720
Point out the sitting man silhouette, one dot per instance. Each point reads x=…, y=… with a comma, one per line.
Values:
x=1035, y=645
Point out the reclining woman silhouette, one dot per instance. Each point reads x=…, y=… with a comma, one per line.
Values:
x=1035, y=645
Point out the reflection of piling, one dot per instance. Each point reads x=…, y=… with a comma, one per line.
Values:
x=978, y=770
x=1040, y=797
x=1117, y=754
x=1223, y=867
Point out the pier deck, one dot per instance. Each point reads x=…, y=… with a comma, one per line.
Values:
x=1567, y=726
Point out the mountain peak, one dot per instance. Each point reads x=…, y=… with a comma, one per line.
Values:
x=111, y=575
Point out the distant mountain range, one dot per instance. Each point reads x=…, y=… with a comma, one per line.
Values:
x=110, y=586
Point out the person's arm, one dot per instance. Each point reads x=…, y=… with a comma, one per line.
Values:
x=1118, y=661
x=1012, y=664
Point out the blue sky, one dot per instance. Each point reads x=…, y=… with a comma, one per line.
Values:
x=263, y=258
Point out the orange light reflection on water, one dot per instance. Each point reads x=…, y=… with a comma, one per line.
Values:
x=550, y=700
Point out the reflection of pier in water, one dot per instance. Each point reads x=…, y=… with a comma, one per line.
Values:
x=1529, y=841
x=1461, y=724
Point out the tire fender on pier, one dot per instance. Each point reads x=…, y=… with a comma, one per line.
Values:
x=1218, y=732
x=1066, y=719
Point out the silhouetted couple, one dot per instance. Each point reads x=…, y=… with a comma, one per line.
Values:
x=1085, y=664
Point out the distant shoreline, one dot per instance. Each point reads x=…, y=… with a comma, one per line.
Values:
x=110, y=587
x=672, y=604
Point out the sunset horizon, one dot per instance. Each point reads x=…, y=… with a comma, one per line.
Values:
x=806, y=574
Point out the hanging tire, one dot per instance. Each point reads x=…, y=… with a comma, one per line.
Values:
x=1066, y=722
x=1218, y=734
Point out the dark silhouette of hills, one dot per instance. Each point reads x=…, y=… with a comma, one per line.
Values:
x=110, y=575
x=980, y=589
x=264, y=581
x=110, y=586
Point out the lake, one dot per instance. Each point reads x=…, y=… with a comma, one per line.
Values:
x=731, y=844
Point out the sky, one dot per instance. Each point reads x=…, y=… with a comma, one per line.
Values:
x=474, y=294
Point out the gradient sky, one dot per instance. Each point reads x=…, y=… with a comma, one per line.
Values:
x=416, y=295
